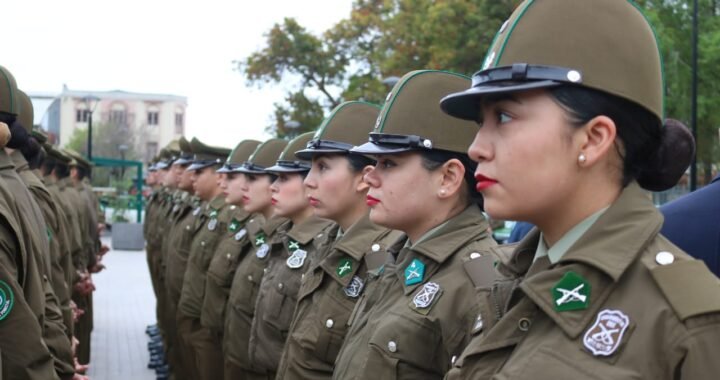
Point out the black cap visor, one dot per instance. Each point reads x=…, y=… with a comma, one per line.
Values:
x=506, y=79
x=202, y=164
x=316, y=147
x=183, y=161
x=289, y=167
x=250, y=168
x=385, y=143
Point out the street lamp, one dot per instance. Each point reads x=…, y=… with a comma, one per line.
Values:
x=292, y=127
x=91, y=102
x=390, y=81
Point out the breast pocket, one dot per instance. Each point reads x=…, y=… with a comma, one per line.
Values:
x=281, y=301
x=246, y=283
x=405, y=347
x=552, y=363
x=224, y=263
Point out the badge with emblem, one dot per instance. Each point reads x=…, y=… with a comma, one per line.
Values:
x=297, y=259
x=197, y=210
x=176, y=208
x=414, y=272
x=7, y=299
x=572, y=292
x=426, y=295
x=355, y=287
x=234, y=225
x=344, y=267
x=212, y=224
x=262, y=252
x=240, y=234
x=604, y=337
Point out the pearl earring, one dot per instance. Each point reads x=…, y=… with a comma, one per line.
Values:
x=442, y=191
x=582, y=158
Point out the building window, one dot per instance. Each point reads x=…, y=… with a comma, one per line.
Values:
x=179, y=123
x=153, y=117
x=81, y=116
x=151, y=150
x=118, y=114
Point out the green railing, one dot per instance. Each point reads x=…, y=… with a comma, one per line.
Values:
x=137, y=202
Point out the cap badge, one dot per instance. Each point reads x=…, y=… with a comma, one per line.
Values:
x=572, y=292
x=414, y=272
x=604, y=336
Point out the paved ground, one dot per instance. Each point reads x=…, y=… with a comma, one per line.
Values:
x=124, y=305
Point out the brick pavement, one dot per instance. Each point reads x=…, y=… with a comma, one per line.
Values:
x=124, y=305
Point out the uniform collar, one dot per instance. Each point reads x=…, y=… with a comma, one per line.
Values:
x=357, y=239
x=452, y=235
x=217, y=203
x=304, y=232
x=19, y=160
x=5, y=161
x=272, y=224
x=558, y=250
x=600, y=257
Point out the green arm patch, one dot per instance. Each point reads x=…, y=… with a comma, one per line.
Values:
x=7, y=299
x=689, y=287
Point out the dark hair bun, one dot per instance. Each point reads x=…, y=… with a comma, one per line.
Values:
x=674, y=155
x=19, y=136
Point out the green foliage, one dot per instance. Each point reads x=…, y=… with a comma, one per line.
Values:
x=383, y=38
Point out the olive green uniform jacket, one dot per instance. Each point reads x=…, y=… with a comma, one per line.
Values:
x=420, y=309
x=213, y=222
x=244, y=289
x=290, y=258
x=652, y=312
x=33, y=225
x=221, y=271
x=180, y=238
x=328, y=294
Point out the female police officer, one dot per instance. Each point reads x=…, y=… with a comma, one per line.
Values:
x=417, y=311
x=570, y=106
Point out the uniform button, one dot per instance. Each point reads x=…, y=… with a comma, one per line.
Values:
x=375, y=247
x=474, y=255
x=454, y=358
x=280, y=286
x=392, y=346
x=302, y=276
x=329, y=323
x=233, y=207
x=664, y=258
x=187, y=228
x=252, y=220
x=319, y=236
x=202, y=243
x=264, y=270
x=250, y=277
x=228, y=256
x=524, y=324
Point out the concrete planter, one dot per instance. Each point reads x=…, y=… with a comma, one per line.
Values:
x=128, y=236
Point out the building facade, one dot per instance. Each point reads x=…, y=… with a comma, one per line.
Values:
x=153, y=119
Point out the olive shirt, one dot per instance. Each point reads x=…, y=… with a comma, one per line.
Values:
x=647, y=311
x=290, y=257
x=221, y=271
x=327, y=296
x=213, y=221
x=244, y=289
x=420, y=309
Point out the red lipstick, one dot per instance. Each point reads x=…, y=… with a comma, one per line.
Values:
x=273, y=201
x=313, y=201
x=484, y=182
x=371, y=201
x=245, y=199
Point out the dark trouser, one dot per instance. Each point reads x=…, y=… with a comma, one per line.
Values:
x=83, y=328
x=186, y=326
x=208, y=354
x=235, y=372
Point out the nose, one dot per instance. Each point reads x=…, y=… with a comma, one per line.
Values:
x=274, y=186
x=481, y=148
x=371, y=178
x=310, y=182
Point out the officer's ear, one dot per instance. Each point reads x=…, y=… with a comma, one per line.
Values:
x=362, y=186
x=452, y=174
x=596, y=140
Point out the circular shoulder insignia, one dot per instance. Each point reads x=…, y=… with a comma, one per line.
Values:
x=7, y=299
x=262, y=252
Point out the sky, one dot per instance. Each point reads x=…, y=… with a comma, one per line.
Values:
x=178, y=47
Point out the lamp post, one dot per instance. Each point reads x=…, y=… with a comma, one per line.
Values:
x=292, y=126
x=91, y=102
x=390, y=81
x=693, y=93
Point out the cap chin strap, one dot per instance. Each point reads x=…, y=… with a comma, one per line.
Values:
x=521, y=72
x=409, y=141
x=328, y=144
x=300, y=165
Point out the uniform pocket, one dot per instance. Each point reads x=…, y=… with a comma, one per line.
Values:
x=246, y=283
x=557, y=364
x=224, y=263
x=410, y=343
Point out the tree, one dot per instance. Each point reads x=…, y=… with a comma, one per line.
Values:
x=107, y=138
